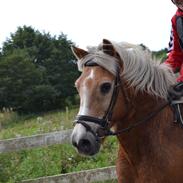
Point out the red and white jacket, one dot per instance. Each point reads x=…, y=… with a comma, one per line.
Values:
x=175, y=56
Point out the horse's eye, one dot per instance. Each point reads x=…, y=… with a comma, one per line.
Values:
x=105, y=88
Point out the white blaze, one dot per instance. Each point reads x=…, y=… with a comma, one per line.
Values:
x=84, y=106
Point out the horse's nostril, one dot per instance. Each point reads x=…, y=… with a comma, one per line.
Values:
x=85, y=144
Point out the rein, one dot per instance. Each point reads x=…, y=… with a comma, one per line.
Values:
x=146, y=119
x=105, y=121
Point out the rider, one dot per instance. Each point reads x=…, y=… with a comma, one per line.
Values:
x=175, y=55
x=175, y=58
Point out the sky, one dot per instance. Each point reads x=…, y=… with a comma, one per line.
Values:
x=87, y=22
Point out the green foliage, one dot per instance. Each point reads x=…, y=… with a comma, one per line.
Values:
x=42, y=97
x=161, y=55
x=18, y=76
x=36, y=71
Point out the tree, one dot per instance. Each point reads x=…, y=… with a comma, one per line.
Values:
x=52, y=61
x=161, y=54
x=18, y=76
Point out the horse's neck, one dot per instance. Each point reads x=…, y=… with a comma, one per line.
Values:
x=146, y=152
x=141, y=139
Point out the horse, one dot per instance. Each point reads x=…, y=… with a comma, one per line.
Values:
x=124, y=92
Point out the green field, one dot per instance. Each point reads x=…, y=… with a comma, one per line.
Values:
x=52, y=160
x=12, y=125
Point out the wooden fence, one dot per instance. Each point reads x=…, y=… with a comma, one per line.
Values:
x=16, y=144
x=100, y=174
x=46, y=139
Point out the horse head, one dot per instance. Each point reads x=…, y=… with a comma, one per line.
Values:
x=98, y=89
x=107, y=87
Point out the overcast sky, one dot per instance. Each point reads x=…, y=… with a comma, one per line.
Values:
x=87, y=22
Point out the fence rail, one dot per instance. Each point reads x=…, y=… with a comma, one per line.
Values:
x=86, y=176
x=46, y=139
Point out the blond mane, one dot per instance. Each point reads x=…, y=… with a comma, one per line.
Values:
x=139, y=69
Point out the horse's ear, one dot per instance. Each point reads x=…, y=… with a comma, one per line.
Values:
x=108, y=48
x=78, y=52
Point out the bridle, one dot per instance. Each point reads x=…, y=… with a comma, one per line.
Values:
x=104, y=122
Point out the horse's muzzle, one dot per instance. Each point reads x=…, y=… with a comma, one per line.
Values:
x=85, y=141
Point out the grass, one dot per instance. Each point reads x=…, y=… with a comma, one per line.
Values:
x=52, y=160
x=12, y=125
x=28, y=164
